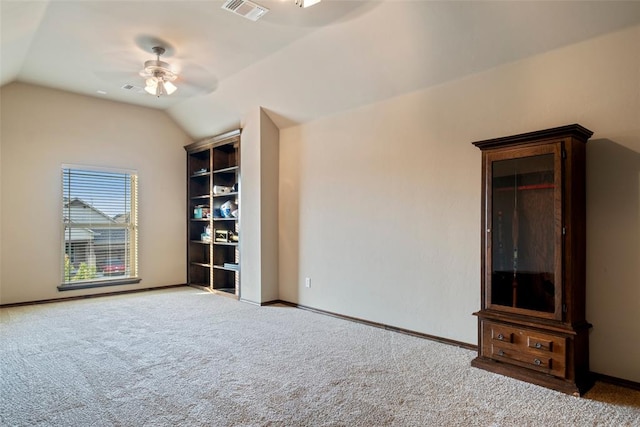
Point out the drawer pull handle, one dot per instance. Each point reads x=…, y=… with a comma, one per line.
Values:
x=500, y=353
x=538, y=345
x=500, y=337
x=537, y=362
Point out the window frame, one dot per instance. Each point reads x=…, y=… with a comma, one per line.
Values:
x=131, y=227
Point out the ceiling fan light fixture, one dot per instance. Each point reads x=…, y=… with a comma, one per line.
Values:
x=151, y=89
x=169, y=87
x=307, y=3
x=158, y=87
x=158, y=75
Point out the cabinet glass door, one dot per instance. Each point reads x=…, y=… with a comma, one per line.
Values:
x=524, y=224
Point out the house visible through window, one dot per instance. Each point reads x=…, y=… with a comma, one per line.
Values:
x=100, y=233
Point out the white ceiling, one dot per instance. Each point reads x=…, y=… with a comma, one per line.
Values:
x=299, y=64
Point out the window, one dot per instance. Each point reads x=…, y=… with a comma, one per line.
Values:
x=100, y=227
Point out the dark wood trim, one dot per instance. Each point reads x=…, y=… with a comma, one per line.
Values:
x=379, y=325
x=621, y=382
x=594, y=375
x=575, y=388
x=272, y=302
x=538, y=137
x=528, y=321
x=98, y=284
x=79, y=297
x=214, y=140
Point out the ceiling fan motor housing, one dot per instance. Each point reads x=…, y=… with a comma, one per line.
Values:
x=157, y=68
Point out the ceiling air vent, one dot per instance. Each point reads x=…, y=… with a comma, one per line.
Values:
x=245, y=8
x=131, y=87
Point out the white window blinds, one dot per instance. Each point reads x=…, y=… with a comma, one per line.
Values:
x=99, y=221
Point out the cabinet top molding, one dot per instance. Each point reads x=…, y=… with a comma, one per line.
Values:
x=213, y=140
x=574, y=131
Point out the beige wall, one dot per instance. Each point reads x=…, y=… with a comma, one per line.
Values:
x=381, y=206
x=259, y=208
x=269, y=186
x=250, y=250
x=44, y=128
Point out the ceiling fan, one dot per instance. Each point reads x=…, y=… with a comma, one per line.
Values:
x=158, y=75
x=179, y=76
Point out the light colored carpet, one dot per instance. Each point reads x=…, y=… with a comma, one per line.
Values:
x=185, y=357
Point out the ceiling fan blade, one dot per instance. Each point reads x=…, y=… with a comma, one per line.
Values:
x=196, y=80
x=187, y=89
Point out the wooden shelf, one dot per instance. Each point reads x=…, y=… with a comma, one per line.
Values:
x=528, y=187
x=222, y=267
x=201, y=264
x=227, y=170
x=234, y=193
x=226, y=292
x=200, y=175
x=219, y=156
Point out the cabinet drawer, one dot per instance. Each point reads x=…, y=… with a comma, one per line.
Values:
x=544, y=344
x=524, y=347
x=533, y=361
x=501, y=333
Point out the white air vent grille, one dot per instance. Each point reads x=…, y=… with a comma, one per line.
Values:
x=245, y=8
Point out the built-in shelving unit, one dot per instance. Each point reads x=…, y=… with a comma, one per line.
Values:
x=213, y=223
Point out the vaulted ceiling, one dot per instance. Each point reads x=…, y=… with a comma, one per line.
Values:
x=298, y=63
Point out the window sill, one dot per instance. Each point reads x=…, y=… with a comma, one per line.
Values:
x=99, y=284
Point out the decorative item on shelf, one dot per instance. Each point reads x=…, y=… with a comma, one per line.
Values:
x=235, y=188
x=221, y=189
x=222, y=236
x=206, y=236
x=201, y=211
x=201, y=171
x=217, y=213
x=226, y=209
x=226, y=236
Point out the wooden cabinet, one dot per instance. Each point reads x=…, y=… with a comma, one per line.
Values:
x=213, y=213
x=531, y=324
